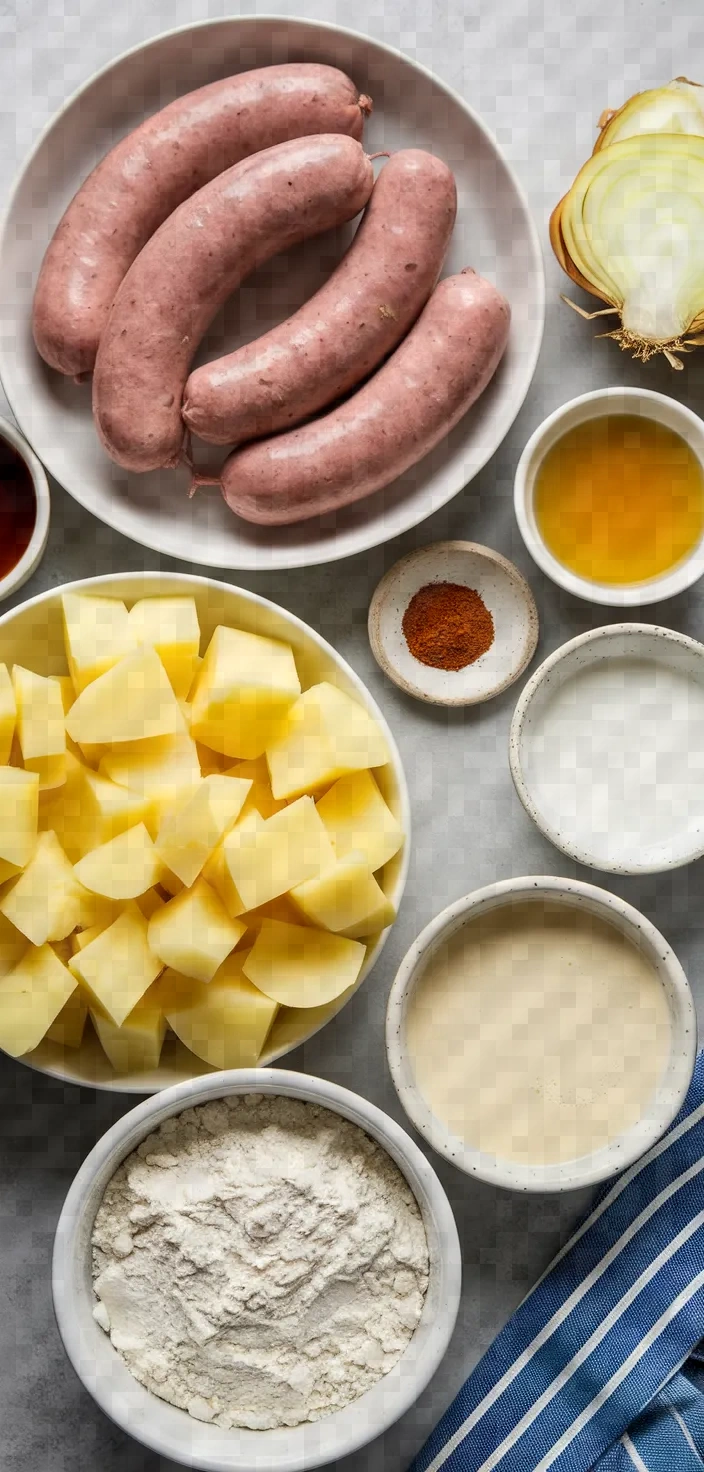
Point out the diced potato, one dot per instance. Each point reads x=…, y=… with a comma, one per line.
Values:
x=64, y=948
x=326, y=734
x=31, y=997
x=150, y=902
x=8, y=715
x=68, y=692
x=212, y=763
x=345, y=898
x=135, y=1046
x=118, y=966
x=19, y=808
x=162, y=765
x=97, y=634
x=357, y=818
x=13, y=945
x=170, y=882
x=133, y=701
x=226, y=1022
x=47, y=902
x=191, y=828
x=193, y=933
x=267, y=859
x=82, y=938
x=245, y=687
x=170, y=625
x=300, y=967
x=123, y=868
x=69, y=1026
x=89, y=810
x=260, y=798
x=197, y=667
x=41, y=726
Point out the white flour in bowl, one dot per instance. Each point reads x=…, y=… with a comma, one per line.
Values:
x=259, y=1262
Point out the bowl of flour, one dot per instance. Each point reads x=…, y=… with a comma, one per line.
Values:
x=256, y=1269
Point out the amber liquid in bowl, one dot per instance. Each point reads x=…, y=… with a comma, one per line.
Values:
x=620, y=499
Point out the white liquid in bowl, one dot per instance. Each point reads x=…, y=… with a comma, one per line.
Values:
x=614, y=761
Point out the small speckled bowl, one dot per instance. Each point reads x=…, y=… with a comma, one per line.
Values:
x=507, y=596
x=669, y=1095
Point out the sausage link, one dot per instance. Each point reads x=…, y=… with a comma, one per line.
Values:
x=413, y=401
x=153, y=170
x=357, y=318
x=200, y=255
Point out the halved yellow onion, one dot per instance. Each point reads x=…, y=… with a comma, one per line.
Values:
x=676, y=108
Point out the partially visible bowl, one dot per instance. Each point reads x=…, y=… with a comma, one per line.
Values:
x=34, y=551
x=171, y=1432
x=623, y=1149
x=638, y=401
x=32, y=635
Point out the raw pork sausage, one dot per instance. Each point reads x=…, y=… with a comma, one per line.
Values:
x=151, y=171
x=357, y=318
x=413, y=401
x=187, y=270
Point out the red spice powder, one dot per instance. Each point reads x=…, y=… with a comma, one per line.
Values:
x=447, y=626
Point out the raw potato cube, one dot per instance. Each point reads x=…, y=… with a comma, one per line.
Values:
x=267, y=859
x=135, y=1046
x=326, y=734
x=41, y=726
x=217, y=874
x=245, y=687
x=82, y=938
x=169, y=625
x=226, y=1022
x=89, y=810
x=117, y=967
x=68, y=692
x=193, y=933
x=8, y=715
x=212, y=763
x=357, y=818
x=300, y=967
x=260, y=798
x=31, y=997
x=131, y=702
x=47, y=902
x=150, y=902
x=97, y=635
x=160, y=765
x=122, y=869
x=69, y=1026
x=13, y=945
x=345, y=898
x=19, y=807
x=191, y=828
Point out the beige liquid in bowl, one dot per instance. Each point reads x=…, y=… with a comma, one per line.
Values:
x=538, y=1033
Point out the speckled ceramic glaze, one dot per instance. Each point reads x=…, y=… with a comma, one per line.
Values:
x=507, y=596
x=669, y=1096
x=563, y=807
x=164, y=1428
x=639, y=401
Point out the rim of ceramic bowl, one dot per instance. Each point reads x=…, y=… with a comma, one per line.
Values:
x=130, y=1405
x=623, y=1150
x=34, y=551
x=604, y=634
x=114, y=1085
x=512, y=574
x=657, y=407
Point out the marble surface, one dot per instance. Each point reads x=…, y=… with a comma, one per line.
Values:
x=540, y=75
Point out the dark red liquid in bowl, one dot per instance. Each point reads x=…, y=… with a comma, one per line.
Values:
x=18, y=508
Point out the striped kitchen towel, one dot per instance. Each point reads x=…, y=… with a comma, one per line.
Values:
x=594, y=1368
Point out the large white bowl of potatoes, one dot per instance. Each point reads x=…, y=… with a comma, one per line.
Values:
x=204, y=831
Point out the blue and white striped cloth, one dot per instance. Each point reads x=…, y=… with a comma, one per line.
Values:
x=598, y=1367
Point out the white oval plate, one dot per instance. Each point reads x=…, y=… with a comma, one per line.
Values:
x=494, y=233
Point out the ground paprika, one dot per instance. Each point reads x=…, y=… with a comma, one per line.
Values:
x=447, y=625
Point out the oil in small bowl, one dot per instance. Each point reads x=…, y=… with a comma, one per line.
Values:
x=620, y=499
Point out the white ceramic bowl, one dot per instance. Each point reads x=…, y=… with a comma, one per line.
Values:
x=32, y=635
x=662, y=1108
x=647, y=405
x=34, y=551
x=616, y=784
x=494, y=233
x=171, y=1432
x=507, y=596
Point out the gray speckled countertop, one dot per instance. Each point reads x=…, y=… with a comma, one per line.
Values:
x=539, y=74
